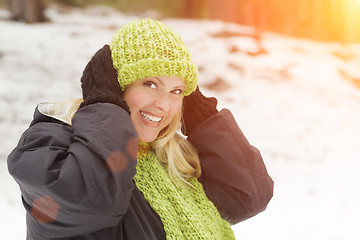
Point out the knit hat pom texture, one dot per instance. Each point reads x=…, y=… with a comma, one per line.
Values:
x=149, y=48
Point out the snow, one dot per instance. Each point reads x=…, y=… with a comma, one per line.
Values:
x=299, y=104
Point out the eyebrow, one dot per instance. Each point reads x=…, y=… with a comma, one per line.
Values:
x=157, y=78
x=162, y=83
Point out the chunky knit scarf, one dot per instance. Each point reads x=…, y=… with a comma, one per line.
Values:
x=185, y=211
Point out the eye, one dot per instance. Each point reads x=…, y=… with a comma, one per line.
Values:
x=177, y=91
x=150, y=84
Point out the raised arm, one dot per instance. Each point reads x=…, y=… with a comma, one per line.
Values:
x=77, y=179
x=233, y=172
x=234, y=175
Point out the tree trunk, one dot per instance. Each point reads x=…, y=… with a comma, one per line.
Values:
x=17, y=9
x=30, y=11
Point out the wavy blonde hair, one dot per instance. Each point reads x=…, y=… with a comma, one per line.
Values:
x=176, y=151
x=170, y=147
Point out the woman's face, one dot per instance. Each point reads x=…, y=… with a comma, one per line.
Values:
x=153, y=103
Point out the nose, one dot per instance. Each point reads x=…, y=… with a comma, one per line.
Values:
x=162, y=102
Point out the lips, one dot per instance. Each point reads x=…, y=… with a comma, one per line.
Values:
x=150, y=117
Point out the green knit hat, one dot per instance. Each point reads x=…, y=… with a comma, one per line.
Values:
x=149, y=48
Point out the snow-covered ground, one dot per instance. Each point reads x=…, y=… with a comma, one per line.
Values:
x=299, y=104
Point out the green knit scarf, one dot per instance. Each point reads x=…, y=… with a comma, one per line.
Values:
x=185, y=211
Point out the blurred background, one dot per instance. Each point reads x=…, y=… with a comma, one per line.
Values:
x=325, y=20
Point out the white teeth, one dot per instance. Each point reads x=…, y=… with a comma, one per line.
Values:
x=150, y=118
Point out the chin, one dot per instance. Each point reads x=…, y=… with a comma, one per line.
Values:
x=147, y=138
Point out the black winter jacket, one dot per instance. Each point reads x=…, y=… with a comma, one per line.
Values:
x=69, y=192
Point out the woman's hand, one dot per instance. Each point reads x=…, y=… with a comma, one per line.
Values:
x=196, y=109
x=99, y=81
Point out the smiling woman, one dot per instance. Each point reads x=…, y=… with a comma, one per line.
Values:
x=153, y=104
x=113, y=165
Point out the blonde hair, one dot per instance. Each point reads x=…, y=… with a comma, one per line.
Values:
x=176, y=151
x=170, y=147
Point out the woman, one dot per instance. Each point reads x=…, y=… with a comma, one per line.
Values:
x=112, y=166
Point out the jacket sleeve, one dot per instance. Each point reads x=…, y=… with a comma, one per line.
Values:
x=77, y=179
x=234, y=176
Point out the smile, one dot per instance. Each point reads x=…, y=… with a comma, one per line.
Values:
x=150, y=117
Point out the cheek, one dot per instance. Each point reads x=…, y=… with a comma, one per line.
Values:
x=135, y=99
x=175, y=107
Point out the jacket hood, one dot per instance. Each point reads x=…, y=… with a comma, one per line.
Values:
x=58, y=111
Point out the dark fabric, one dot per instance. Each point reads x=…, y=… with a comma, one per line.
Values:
x=99, y=81
x=196, y=109
x=70, y=166
x=234, y=175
